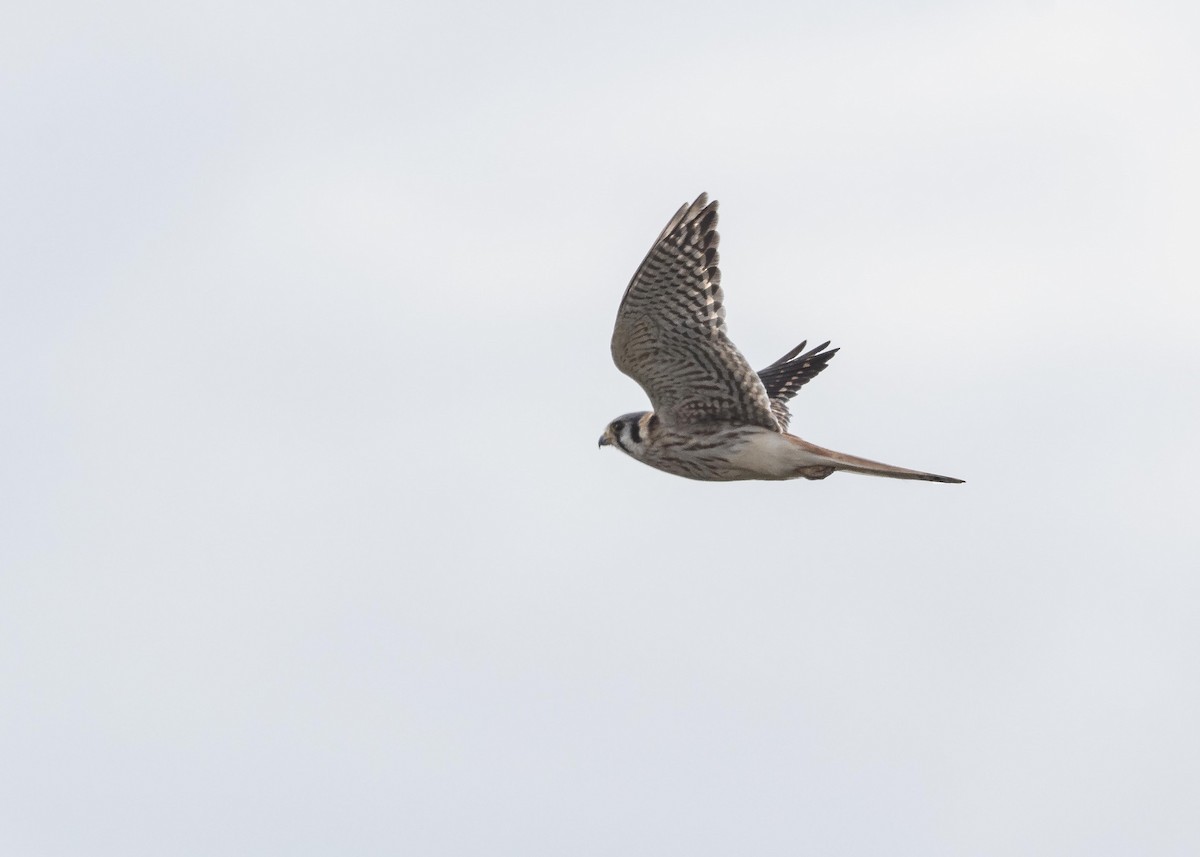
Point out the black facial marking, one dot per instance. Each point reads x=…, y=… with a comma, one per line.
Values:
x=635, y=431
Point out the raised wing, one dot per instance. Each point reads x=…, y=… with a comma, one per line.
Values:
x=784, y=378
x=670, y=332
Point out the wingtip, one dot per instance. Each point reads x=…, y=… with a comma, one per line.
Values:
x=699, y=208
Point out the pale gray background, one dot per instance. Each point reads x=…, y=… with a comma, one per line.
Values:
x=307, y=546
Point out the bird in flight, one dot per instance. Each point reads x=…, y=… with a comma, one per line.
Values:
x=714, y=418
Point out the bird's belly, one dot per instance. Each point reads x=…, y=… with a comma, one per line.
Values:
x=737, y=453
x=765, y=454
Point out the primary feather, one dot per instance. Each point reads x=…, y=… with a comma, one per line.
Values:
x=784, y=378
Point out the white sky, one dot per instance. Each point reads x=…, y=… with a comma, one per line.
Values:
x=305, y=543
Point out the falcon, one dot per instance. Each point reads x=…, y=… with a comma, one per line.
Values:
x=715, y=419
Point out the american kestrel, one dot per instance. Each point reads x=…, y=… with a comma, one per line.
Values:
x=714, y=417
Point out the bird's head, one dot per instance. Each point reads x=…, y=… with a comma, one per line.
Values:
x=630, y=432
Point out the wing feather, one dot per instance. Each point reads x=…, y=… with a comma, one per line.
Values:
x=784, y=378
x=670, y=332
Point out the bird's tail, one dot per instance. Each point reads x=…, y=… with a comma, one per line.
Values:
x=854, y=464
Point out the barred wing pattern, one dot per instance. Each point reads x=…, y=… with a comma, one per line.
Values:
x=784, y=378
x=670, y=333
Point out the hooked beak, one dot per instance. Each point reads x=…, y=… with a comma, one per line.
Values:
x=604, y=441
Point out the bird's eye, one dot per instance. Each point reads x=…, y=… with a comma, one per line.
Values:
x=616, y=427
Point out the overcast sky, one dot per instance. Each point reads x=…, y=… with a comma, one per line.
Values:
x=306, y=547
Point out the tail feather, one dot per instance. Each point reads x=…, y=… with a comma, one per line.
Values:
x=854, y=464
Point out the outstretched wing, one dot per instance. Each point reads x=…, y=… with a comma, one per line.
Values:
x=670, y=332
x=784, y=378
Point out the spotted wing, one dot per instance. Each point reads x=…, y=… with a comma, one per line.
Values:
x=784, y=378
x=670, y=333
